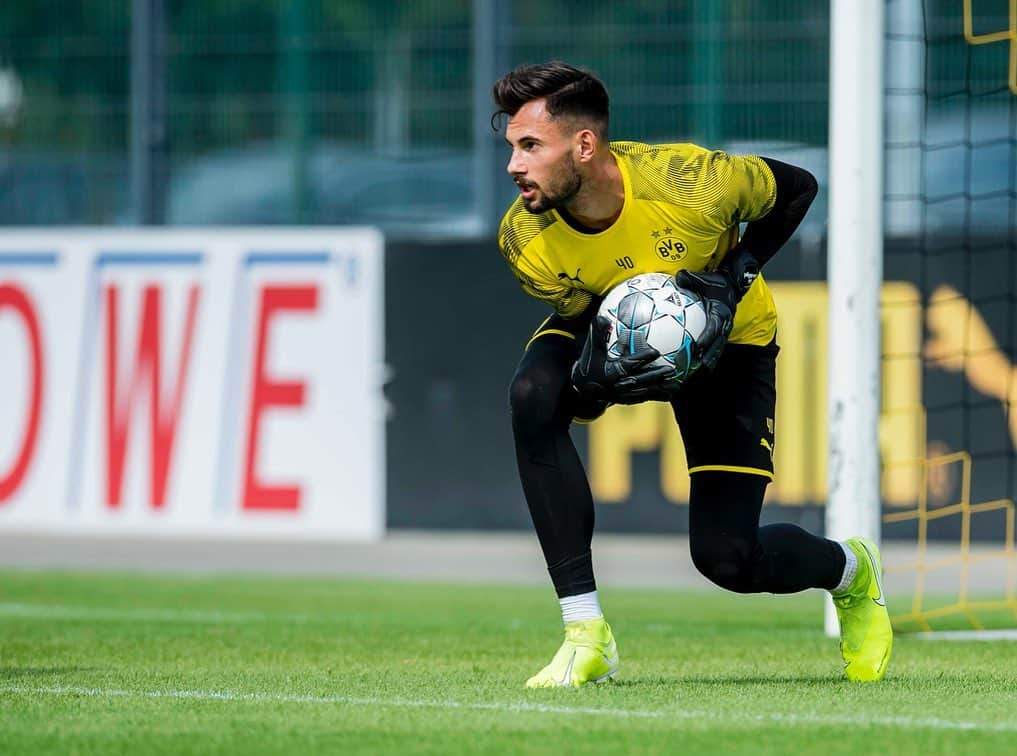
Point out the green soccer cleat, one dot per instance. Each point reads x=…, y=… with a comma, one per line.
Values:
x=865, y=633
x=589, y=654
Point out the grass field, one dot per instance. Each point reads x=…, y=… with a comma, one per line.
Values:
x=111, y=664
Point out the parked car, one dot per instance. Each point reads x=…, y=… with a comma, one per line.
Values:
x=425, y=193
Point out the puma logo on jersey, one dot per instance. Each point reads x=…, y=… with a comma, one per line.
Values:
x=766, y=445
x=575, y=278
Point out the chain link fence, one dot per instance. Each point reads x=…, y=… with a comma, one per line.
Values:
x=348, y=111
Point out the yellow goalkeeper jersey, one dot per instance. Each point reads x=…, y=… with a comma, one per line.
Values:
x=682, y=208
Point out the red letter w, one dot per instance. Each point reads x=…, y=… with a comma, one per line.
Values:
x=145, y=375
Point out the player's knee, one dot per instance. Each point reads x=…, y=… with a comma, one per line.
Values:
x=728, y=563
x=531, y=402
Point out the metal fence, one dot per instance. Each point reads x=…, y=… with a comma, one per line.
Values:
x=349, y=111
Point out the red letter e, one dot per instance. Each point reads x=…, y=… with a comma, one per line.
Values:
x=267, y=393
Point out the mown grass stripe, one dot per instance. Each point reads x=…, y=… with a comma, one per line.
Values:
x=743, y=718
x=62, y=612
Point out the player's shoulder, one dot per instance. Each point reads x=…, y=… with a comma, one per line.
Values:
x=691, y=175
x=677, y=161
x=519, y=227
x=646, y=153
x=661, y=172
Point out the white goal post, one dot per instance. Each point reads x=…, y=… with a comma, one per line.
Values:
x=855, y=270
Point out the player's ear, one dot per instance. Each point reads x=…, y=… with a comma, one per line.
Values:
x=585, y=145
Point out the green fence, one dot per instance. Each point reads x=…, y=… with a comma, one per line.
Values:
x=348, y=111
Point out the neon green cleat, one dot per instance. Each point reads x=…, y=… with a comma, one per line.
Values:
x=865, y=633
x=589, y=654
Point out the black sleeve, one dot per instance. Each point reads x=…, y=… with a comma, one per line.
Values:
x=796, y=188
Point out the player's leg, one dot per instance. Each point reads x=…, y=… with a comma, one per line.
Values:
x=730, y=548
x=558, y=495
x=726, y=419
x=554, y=482
x=727, y=424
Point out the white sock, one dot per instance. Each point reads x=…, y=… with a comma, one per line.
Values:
x=585, y=606
x=850, y=570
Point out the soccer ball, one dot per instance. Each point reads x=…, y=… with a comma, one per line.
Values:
x=650, y=310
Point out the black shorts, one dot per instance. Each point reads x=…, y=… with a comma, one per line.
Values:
x=726, y=417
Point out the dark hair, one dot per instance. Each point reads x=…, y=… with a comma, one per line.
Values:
x=571, y=92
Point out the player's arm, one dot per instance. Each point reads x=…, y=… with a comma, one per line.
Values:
x=796, y=188
x=623, y=381
x=627, y=380
x=520, y=248
x=770, y=225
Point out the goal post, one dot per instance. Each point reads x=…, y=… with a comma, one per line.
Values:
x=855, y=270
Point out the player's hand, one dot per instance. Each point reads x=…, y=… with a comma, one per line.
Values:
x=721, y=291
x=719, y=301
x=620, y=380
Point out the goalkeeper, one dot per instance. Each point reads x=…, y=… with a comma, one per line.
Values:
x=590, y=214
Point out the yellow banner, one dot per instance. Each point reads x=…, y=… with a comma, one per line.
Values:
x=959, y=341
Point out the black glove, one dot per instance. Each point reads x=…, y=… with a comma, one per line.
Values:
x=721, y=291
x=620, y=380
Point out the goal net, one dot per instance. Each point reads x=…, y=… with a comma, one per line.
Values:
x=951, y=222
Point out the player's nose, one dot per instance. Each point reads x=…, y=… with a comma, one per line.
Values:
x=515, y=166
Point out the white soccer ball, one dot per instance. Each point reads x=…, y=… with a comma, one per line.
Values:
x=651, y=310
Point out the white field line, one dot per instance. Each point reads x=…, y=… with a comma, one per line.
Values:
x=741, y=718
x=968, y=635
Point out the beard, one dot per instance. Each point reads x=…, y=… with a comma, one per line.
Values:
x=561, y=189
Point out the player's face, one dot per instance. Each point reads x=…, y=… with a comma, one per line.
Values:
x=542, y=163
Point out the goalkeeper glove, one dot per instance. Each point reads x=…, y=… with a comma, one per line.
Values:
x=721, y=291
x=619, y=380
